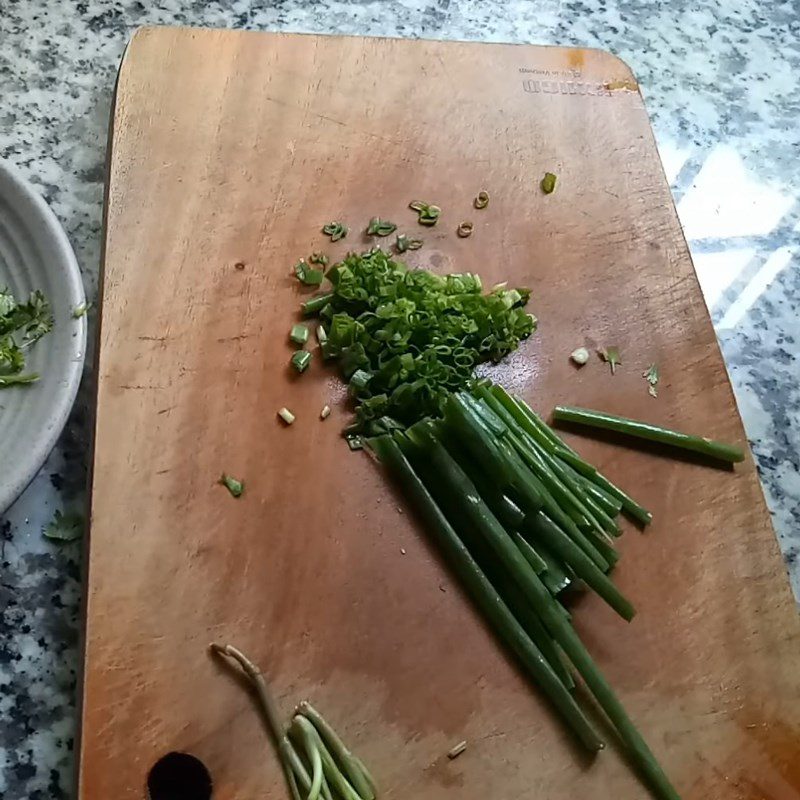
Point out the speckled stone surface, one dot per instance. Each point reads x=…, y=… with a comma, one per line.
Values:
x=720, y=81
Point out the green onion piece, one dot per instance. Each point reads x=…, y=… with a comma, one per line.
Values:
x=483, y=594
x=232, y=485
x=548, y=438
x=355, y=442
x=545, y=530
x=403, y=243
x=300, y=360
x=464, y=230
x=548, y=183
x=359, y=380
x=428, y=214
x=286, y=415
x=482, y=200
x=81, y=310
x=308, y=275
x=318, y=258
x=322, y=335
x=335, y=230
x=355, y=771
x=316, y=304
x=637, y=749
x=580, y=356
x=653, y=433
x=299, y=334
x=380, y=227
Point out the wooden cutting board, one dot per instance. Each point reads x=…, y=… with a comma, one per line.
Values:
x=229, y=151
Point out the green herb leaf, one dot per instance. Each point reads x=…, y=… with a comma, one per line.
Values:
x=234, y=486
x=651, y=376
x=308, y=275
x=18, y=380
x=548, y=183
x=7, y=304
x=611, y=356
x=81, y=310
x=66, y=527
x=380, y=227
x=11, y=358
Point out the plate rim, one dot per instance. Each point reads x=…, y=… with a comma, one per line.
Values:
x=31, y=201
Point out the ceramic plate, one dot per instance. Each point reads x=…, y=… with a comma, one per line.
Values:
x=35, y=254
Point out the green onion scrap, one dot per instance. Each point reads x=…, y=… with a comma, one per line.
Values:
x=309, y=276
x=235, y=487
x=335, y=230
x=481, y=201
x=403, y=243
x=380, y=227
x=314, y=759
x=548, y=183
x=427, y=214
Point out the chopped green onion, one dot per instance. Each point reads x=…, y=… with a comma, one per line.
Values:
x=456, y=751
x=232, y=485
x=318, y=258
x=380, y=227
x=464, y=230
x=301, y=360
x=482, y=200
x=548, y=183
x=316, y=304
x=81, y=310
x=335, y=230
x=355, y=442
x=428, y=214
x=299, y=334
x=286, y=416
x=308, y=275
x=322, y=336
x=653, y=433
x=580, y=356
x=403, y=243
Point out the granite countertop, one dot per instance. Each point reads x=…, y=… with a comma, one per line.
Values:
x=720, y=84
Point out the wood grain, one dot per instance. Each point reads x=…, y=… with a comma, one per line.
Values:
x=236, y=147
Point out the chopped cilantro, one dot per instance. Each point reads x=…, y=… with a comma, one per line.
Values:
x=21, y=326
x=611, y=356
x=65, y=527
x=651, y=376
